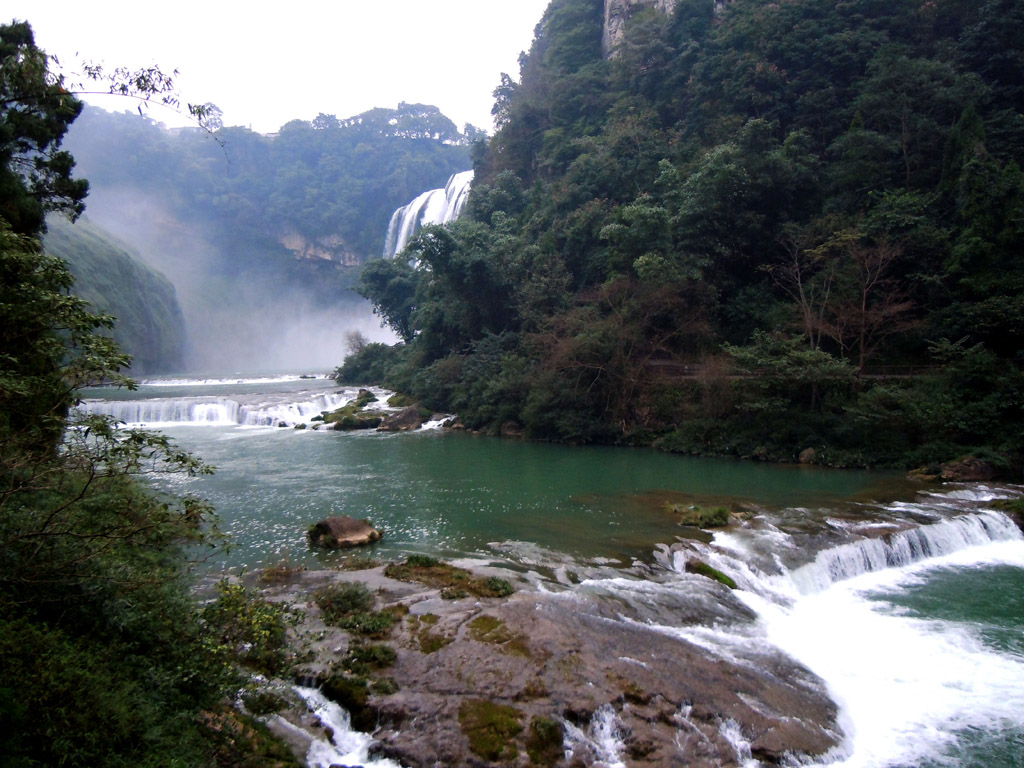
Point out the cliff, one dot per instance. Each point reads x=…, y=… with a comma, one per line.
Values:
x=618, y=12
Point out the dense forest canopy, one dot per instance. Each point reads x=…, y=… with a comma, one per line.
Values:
x=726, y=235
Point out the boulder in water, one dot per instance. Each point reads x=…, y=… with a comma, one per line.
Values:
x=405, y=420
x=342, y=532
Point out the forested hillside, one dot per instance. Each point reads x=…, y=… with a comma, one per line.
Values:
x=150, y=326
x=751, y=231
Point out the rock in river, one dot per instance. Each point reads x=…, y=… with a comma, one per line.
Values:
x=342, y=532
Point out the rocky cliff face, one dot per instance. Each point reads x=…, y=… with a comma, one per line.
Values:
x=617, y=13
x=331, y=248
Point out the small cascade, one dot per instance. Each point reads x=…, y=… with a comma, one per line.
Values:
x=908, y=688
x=438, y=206
x=733, y=735
x=903, y=548
x=775, y=582
x=344, y=746
x=601, y=744
x=210, y=411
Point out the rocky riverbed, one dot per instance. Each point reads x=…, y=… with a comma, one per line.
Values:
x=555, y=674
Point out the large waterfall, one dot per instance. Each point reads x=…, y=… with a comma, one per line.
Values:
x=438, y=206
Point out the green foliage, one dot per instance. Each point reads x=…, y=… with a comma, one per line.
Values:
x=363, y=659
x=104, y=659
x=35, y=113
x=327, y=178
x=816, y=190
x=376, y=624
x=493, y=586
x=373, y=364
x=81, y=699
x=690, y=514
x=422, y=561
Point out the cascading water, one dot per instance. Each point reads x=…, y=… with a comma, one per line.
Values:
x=343, y=746
x=910, y=689
x=438, y=206
x=259, y=411
x=600, y=744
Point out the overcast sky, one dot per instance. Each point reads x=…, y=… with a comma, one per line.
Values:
x=264, y=64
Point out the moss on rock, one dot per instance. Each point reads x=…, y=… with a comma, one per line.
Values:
x=700, y=517
x=703, y=569
x=544, y=742
x=453, y=582
x=491, y=729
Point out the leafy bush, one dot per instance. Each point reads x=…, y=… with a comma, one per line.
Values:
x=495, y=587
x=342, y=600
x=376, y=624
x=362, y=659
x=248, y=627
x=422, y=561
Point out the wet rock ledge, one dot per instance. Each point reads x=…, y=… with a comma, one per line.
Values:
x=543, y=678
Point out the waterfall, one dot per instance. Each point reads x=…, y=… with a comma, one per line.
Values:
x=601, y=744
x=438, y=206
x=217, y=411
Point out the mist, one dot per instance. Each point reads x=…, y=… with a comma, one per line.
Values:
x=260, y=317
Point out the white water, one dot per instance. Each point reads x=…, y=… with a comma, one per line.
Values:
x=903, y=549
x=438, y=206
x=345, y=746
x=256, y=411
x=601, y=744
x=905, y=686
x=730, y=731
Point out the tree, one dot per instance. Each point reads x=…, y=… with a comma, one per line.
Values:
x=103, y=661
x=390, y=284
x=35, y=112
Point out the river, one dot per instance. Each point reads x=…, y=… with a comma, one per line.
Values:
x=906, y=600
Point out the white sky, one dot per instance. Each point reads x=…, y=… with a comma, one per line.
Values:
x=264, y=64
